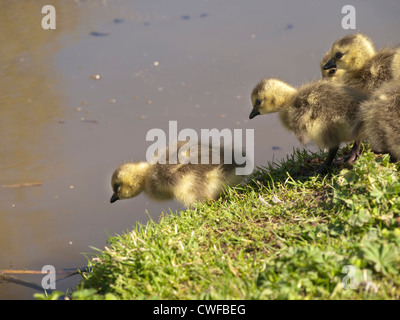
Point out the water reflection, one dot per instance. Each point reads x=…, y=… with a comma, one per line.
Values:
x=30, y=103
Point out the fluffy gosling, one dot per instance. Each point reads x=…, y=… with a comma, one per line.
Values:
x=365, y=69
x=379, y=120
x=322, y=111
x=186, y=182
x=335, y=74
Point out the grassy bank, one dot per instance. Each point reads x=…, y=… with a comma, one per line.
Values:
x=287, y=234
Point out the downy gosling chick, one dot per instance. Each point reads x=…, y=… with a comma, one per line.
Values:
x=333, y=74
x=186, y=182
x=365, y=69
x=323, y=111
x=379, y=120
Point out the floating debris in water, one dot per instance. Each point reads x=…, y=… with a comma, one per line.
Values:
x=149, y=101
x=23, y=184
x=112, y=100
x=276, y=148
x=116, y=20
x=289, y=26
x=156, y=63
x=88, y=121
x=99, y=34
x=95, y=77
x=203, y=15
x=185, y=17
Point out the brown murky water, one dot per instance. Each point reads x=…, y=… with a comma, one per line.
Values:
x=63, y=132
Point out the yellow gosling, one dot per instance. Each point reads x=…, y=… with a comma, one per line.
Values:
x=365, y=69
x=322, y=111
x=335, y=74
x=187, y=183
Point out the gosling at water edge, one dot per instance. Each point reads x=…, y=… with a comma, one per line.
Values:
x=186, y=182
x=322, y=111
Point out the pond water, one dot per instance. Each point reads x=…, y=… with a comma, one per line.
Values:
x=77, y=101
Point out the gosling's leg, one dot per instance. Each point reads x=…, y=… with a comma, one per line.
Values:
x=328, y=161
x=354, y=153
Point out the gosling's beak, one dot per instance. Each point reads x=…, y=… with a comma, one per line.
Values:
x=330, y=64
x=114, y=198
x=254, y=113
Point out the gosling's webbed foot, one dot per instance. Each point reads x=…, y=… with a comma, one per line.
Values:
x=351, y=158
x=323, y=169
x=354, y=153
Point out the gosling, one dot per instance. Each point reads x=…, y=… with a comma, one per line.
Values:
x=335, y=74
x=322, y=111
x=365, y=69
x=186, y=182
x=379, y=120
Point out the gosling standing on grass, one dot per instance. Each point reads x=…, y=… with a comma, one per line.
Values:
x=335, y=74
x=186, y=182
x=323, y=111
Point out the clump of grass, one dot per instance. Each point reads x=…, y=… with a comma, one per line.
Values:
x=286, y=234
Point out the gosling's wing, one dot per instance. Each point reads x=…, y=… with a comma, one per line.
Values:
x=378, y=70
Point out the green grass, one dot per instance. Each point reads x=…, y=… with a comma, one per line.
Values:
x=286, y=234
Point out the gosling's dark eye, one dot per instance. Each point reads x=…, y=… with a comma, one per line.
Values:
x=332, y=71
x=258, y=102
x=338, y=55
x=115, y=187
